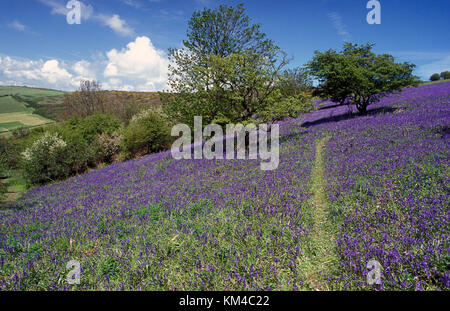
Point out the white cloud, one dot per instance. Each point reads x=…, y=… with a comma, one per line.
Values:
x=204, y=2
x=84, y=70
x=340, y=27
x=133, y=3
x=17, y=26
x=51, y=73
x=117, y=24
x=141, y=63
x=137, y=67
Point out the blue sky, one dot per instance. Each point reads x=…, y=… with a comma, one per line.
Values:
x=123, y=43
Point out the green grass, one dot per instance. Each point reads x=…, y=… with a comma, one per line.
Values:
x=9, y=104
x=28, y=91
x=41, y=103
x=320, y=255
x=16, y=186
x=11, y=125
x=433, y=82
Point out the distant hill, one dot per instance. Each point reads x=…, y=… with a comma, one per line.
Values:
x=22, y=106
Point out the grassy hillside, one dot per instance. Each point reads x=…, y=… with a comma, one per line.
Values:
x=27, y=107
x=349, y=189
x=434, y=82
x=9, y=104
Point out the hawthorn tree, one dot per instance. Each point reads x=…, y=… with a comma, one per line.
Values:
x=435, y=77
x=445, y=75
x=358, y=76
x=226, y=71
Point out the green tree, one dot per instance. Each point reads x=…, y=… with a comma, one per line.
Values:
x=282, y=106
x=226, y=70
x=445, y=75
x=89, y=128
x=294, y=82
x=435, y=77
x=147, y=132
x=358, y=76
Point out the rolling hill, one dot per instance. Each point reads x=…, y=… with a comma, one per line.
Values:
x=27, y=107
x=349, y=190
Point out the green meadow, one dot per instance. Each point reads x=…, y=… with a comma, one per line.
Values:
x=27, y=107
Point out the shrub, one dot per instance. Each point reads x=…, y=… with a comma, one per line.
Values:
x=89, y=128
x=3, y=173
x=147, y=132
x=106, y=146
x=10, y=155
x=82, y=136
x=435, y=77
x=81, y=143
x=21, y=132
x=290, y=106
x=46, y=160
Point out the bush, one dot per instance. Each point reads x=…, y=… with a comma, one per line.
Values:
x=147, y=132
x=82, y=137
x=290, y=106
x=3, y=173
x=81, y=143
x=89, y=128
x=105, y=147
x=21, y=132
x=46, y=160
x=10, y=155
x=435, y=77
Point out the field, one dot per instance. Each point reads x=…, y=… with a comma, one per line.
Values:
x=31, y=107
x=349, y=189
x=11, y=121
x=27, y=107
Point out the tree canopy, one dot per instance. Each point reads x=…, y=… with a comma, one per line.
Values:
x=227, y=68
x=445, y=75
x=435, y=77
x=358, y=76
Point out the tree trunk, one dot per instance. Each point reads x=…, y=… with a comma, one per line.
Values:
x=362, y=107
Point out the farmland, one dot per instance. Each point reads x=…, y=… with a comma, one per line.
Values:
x=27, y=107
x=349, y=189
x=31, y=107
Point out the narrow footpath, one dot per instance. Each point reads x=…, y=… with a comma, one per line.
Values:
x=321, y=249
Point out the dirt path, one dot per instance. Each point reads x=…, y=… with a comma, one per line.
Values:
x=321, y=247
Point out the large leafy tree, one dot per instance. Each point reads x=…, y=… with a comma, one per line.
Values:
x=445, y=75
x=358, y=76
x=295, y=81
x=435, y=77
x=226, y=70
